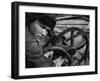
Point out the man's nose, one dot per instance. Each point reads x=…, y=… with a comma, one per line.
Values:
x=44, y=32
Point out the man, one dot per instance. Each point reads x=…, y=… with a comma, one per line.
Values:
x=38, y=32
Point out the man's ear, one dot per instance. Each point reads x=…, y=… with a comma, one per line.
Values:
x=51, y=33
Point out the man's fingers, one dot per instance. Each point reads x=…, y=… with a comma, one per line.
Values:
x=49, y=54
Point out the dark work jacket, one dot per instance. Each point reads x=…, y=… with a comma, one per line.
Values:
x=34, y=52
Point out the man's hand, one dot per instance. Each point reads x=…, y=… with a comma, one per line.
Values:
x=59, y=61
x=49, y=55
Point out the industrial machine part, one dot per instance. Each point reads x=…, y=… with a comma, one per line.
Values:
x=67, y=47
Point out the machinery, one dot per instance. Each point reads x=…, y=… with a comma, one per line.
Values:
x=63, y=50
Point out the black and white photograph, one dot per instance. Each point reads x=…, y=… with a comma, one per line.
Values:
x=52, y=40
x=56, y=40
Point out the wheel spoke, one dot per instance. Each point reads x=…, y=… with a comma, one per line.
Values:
x=72, y=38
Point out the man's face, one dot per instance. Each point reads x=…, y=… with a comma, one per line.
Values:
x=38, y=29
